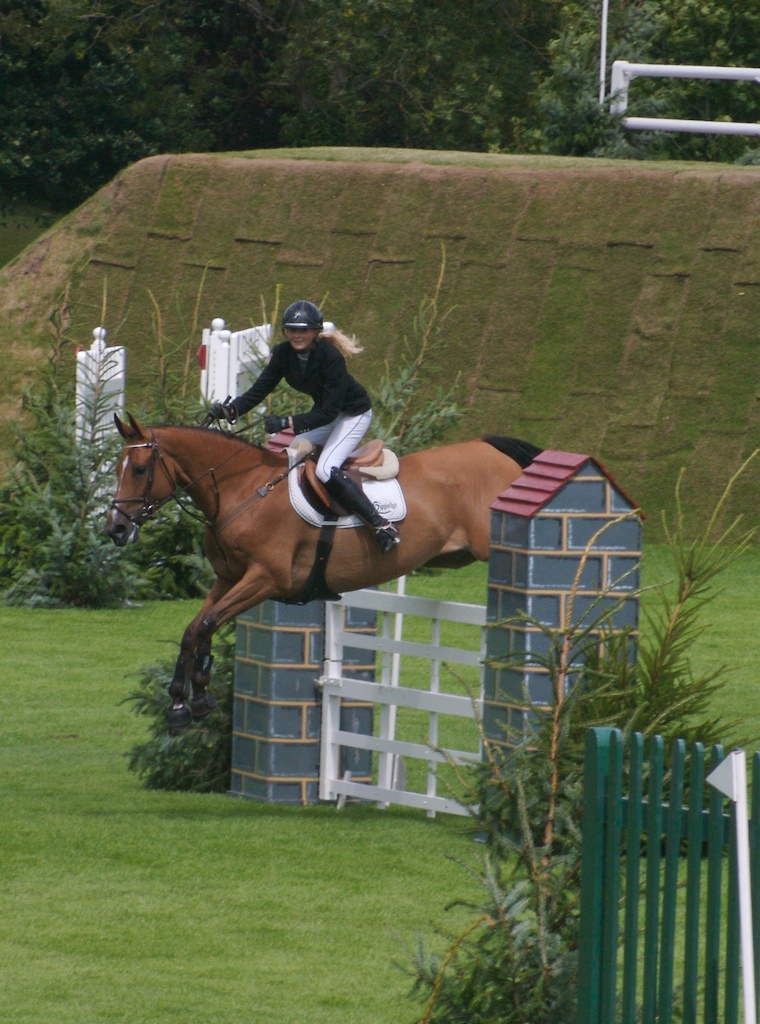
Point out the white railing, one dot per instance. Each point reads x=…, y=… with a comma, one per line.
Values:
x=390, y=695
x=101, y=380
x=231, y=360
x=624, y=72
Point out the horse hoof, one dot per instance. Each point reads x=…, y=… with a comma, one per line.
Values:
x=201, y=707
x=178, y=718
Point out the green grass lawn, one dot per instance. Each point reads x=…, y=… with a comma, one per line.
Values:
x=123, y=905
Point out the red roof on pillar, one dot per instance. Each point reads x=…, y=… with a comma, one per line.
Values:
x=543, y=478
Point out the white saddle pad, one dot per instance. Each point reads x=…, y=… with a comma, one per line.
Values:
x=385, y=495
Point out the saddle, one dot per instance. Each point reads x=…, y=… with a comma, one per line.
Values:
x=372, y=461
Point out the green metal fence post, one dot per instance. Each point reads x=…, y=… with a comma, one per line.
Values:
x=596, y=765
x=634, y=821
x=693, y=883
x=611, y=883
x=670, y=885
x=712, y=914
x=652, y=898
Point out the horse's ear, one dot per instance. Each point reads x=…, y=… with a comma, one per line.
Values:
x=137, y=428
x=131, y=431
x=122, y=427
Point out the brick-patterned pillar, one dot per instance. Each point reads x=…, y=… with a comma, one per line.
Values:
x=540, y=527
x=277, y=711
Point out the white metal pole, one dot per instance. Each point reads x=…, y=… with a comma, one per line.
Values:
x=603, y=55
x=730, y=777
x=745, y=891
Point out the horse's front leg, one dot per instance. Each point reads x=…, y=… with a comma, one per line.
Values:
x=193, y=668
x=223, y=602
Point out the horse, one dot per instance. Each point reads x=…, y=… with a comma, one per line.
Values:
x=260, y=548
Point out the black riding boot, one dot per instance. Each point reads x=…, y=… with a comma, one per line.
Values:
x=353, y=499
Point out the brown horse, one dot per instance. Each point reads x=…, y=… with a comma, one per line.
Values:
x=260, y=548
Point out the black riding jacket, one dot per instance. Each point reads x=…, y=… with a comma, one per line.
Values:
x=323, y=377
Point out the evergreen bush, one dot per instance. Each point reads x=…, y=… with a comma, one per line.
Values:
x=53, y=501
x=198, y=759
x=53, y=550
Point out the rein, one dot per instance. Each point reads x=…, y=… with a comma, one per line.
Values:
x=149, y=508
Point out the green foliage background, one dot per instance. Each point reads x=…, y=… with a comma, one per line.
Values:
x=88, y=88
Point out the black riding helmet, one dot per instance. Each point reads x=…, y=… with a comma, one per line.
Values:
x=302, y=314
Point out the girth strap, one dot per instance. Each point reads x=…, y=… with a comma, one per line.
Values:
x=315, y=588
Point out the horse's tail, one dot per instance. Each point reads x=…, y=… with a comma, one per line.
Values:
x=523, y=452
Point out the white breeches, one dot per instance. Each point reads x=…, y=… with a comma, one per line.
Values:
x=338, y=439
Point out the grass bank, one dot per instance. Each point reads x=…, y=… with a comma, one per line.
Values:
x=596, y=306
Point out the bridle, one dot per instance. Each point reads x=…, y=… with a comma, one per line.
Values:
x=149, y=508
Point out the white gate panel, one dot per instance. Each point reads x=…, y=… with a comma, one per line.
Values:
x=624, y=72
x=389, y=695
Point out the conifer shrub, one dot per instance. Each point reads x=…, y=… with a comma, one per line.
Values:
x=53, y=501
x=53, y=550
x=199, y=759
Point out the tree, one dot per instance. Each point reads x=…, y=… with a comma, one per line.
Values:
x=89, y=87
x=52, y=551
x=566, y=118
x=405, y=73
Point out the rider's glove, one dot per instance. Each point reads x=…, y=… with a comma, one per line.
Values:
x=273, y=424
x=223, y=411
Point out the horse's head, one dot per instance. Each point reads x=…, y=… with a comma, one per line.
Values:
x=143, y=482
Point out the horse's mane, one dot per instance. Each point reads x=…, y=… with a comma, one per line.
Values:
x=216, y=433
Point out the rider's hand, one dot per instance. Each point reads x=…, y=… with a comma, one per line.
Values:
x=274, y=424
x=223, y=411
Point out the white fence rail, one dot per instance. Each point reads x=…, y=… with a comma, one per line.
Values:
x=231, y=360
x=624, y=72
x=390, y=695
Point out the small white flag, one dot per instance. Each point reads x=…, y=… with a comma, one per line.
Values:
x=727, y=777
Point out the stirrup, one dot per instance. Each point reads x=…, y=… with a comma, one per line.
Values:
x=387, y=537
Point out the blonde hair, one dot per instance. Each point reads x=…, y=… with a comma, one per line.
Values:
x=345, y=345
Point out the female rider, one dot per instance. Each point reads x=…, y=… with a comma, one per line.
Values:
x=312, y=360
